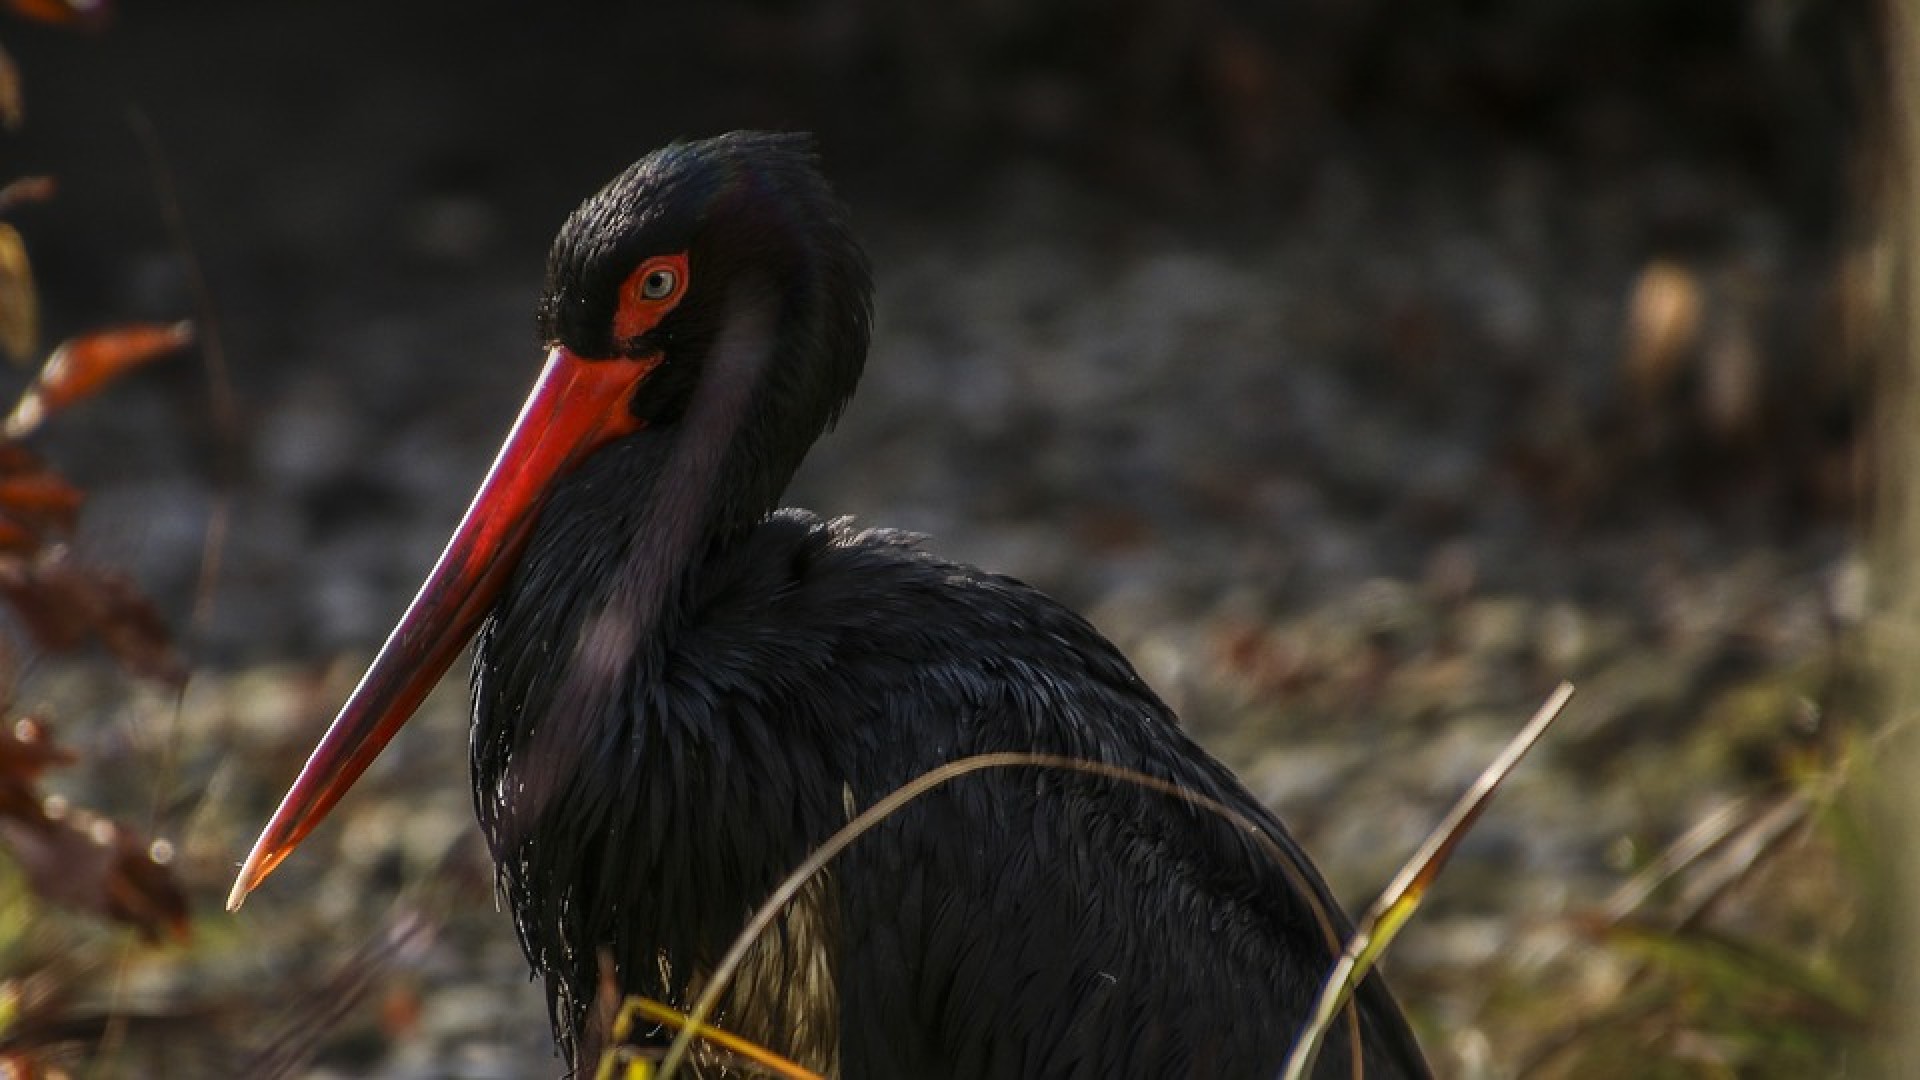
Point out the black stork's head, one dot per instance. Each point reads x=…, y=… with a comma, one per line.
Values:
x=711, y=297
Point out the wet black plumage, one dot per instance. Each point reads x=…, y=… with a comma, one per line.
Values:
x=682, y=690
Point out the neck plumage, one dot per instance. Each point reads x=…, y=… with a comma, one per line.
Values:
x=598, y=592
x=592, y=754
x=565, y=664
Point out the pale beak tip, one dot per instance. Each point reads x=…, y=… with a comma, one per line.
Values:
x=252, y=872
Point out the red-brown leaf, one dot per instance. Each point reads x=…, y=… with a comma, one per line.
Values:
x=40, y=500
x=87, y=863
x=78, y=859
x=133, y=631
x=83, y=366
x=27, y=189
x=13, y=110
x=44, y=502
x=46, y=605
x=28, y=749
x=17, y=539
x=25, y=752
x=83, y=13
x=15, y=458
x=62, y=603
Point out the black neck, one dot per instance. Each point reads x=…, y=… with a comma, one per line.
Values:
x=598, y=595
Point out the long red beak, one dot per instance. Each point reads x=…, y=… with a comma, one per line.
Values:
x=576, y=407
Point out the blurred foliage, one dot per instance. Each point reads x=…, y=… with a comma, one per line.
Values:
x=63, y=857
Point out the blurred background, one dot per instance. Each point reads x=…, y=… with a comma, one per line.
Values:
x=1362, y=371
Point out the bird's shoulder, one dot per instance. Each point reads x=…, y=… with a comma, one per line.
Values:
x=863, y=637
x=888, y=661
x=809, y=589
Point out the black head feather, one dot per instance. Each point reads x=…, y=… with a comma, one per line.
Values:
x=742, y=203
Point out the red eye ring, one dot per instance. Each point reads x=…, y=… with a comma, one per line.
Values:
x=649, y=293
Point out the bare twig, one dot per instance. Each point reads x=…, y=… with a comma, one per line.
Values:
x=221, y=401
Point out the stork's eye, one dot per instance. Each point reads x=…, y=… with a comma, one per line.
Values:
x=659, y=283
x=654, y=288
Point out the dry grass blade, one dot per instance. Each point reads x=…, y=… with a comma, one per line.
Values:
x=1745, y=851
x=407, y=935
x=747, y=1054
x=1397, y=903
x=867, y=819
x=224, y=406
x=1682, y=963
x=1710, y=956
x=43, y=1039
x=1722, y=850
x=1705, y=835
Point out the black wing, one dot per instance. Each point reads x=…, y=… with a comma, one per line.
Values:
x=1026, y=922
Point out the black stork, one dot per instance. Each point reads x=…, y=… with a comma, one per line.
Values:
x=679, y=690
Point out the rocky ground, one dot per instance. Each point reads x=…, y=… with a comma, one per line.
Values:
x=1356, y=471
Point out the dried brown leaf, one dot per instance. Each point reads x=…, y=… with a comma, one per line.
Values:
x=27, y=189
x=15, y=458
x=26, y=751
x=19, y=305
x=17, y=539
x=133, y=631
x=88, y=14
x=34, y=501
x=77, y=859
x=44, y=606
x=87, y=863
x=83, y=366
x=24, y=1064
x=40, y=500
x=1665, y=314
x=62, y=603
x=13, y=109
